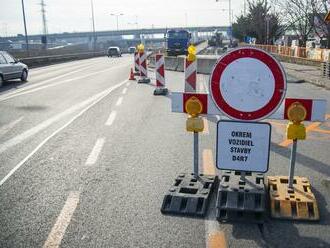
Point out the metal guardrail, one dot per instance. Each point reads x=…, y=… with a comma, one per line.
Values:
x=325, y=69
x=46, y=60
x=297, y=52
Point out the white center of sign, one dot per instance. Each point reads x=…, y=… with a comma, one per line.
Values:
x=247, y=84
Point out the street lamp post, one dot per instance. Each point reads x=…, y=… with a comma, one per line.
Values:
x=25, y=29
x=230, y=17
x=117, y=16
x=267, y=29
x=93, y=21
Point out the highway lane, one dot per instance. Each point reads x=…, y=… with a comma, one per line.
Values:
x=32, y=113
x=99, y=182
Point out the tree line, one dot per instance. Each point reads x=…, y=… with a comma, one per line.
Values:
x=267, y=22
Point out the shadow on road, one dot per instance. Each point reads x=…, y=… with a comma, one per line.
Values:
x=302, y=159
x=12, y=84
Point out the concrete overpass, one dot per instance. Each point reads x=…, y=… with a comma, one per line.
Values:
x=115, y=33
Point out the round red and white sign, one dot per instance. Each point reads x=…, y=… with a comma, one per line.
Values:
x=247, y=84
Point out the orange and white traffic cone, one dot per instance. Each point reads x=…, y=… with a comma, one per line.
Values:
x=131, y=77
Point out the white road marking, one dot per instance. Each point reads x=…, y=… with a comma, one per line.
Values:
x=15, y=94
x=93, y=156
x=63, y=220
x=4, y=129
x=32, y=86
x=119, y=101
x=124, y=91
x=111, y=118
x=128, y=84
x=61, y=66
x=93, y=100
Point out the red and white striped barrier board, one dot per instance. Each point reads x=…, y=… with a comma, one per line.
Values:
x=143, y=65
x=136, y=61
x=190, y=73
x=316, y=108
x=160, y=70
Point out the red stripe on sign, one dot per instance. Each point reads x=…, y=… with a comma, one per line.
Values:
x=307, y=103
x=188, y=63
x=192, y=80
x=272, y=64
x=201, y=97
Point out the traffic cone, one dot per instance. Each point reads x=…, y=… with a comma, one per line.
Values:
x=131, y=77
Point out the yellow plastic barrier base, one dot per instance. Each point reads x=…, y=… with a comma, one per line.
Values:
x=296, y=204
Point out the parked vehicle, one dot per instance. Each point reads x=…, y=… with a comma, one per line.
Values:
x=131, y=50
x=114, y=51
x=11, y=68
x=216, y=39
x=177, y=42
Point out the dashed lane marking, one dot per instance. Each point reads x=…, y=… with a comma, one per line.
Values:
x=34, y=86
x=63, y=220
x=93, y=156
x=25, y=91
x=92, y=101
x=309, y=128
x=128, y=84
x=208, y=164
x=206, y=126
x=313, y=127
x=124, y=91
x=6, y=128
x=111, y=118
x=119, y=101
x=215, y=238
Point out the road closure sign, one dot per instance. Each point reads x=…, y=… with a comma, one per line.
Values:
x=243, y=146
x=247, y=84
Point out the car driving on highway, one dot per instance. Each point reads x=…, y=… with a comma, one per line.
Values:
x=114, y=51
x=11, y=68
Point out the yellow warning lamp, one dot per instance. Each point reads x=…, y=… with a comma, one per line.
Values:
x=194, y=107
x=295, y=130
x=140, y=48
x=191, y=53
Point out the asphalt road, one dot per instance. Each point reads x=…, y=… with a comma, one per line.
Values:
x=86, y=158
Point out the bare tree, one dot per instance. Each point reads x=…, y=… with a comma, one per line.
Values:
x=321, y=27
x=297, y=16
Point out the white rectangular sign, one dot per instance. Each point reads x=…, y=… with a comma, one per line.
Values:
x=243, y=146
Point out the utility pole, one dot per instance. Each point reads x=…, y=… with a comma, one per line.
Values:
x=93, y=21
x=267, y=29
x=244, y=7
x=44, y=24
x=25, y=29
x=117, y=16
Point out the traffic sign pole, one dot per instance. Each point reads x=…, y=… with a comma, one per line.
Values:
x=196, y=154
x=292, y=163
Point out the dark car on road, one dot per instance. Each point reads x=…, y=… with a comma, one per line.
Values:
x=11, y=68
x=114, y=51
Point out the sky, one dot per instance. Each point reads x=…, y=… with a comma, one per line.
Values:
x=75, y=15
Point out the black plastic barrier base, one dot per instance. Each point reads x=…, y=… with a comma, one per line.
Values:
x=144, y=81
x=189, y=196
x=241, y=197
x=160, y=91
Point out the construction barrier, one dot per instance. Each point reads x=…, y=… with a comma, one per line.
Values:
x=143, y=68
x=190, y=74
x=241, y=197
x=136, y=64
x=160, y=76
x=243, y=146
